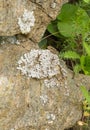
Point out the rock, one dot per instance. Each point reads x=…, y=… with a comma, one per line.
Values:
x=49, y=100
x=37, y=90
x=16, y=15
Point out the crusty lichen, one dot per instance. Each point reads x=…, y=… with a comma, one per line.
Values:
x=43, y=64
x=50, y=117
x=26, y=21
x=51, y=83
x=44, y=99
x=39, y=64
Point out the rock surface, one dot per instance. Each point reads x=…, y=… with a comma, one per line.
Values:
x=12, y=11
x=48, y=103
x=29, y=101
x=26, y=103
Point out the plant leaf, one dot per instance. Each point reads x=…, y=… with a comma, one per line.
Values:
x=67, y=29
x=70, y=55
x=85, y=64
x=67, y=12
x=73, y=21
x=77, y=68
x=87, y=1
x=87, y=48
x=52, y=28
x=85, y=93
x=43, y=44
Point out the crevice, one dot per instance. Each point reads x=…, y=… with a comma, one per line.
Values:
x=42, y=9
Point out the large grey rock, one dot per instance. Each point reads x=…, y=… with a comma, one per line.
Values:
x=35, y=94
x=37, y=91
x=16, y=16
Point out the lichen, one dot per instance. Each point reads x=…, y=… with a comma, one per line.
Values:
x=26, y=21
x=39, y=64
x=8, y=40
x=44, y=99
x=51, y=83
x=50, y=117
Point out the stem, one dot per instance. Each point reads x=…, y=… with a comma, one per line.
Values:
x=49, y=35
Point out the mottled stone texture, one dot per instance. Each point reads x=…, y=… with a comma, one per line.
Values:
x=26, y=103
x=36, y=104
x=12, y=10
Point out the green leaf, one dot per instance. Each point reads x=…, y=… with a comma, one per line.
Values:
x=52, y=28
x=77, y=68
x=67, y=29
x=67, y=12
x=85, y=64
x=70, y=55
x=87, y=1
x=85, y=93
x=43, y=44
x=87, y=48
x=73, y=21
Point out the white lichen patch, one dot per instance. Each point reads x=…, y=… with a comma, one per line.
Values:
x=39, y=64
x=26, y=21
x=18, y=42
x=50, y=117
x=44, y=99
x=51, y=83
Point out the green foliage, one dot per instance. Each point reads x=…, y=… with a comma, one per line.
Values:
x=71, y=36
x=85, y=6
x=52, y=28
x=43, y=44
x=85, y=64
x=87, y=48
x=77, y=68
x=86, y=94
x=86, y=105
x=87, y=1
x=71, y=32
x=65, y=20
x=73, y=23
x=70, y=55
